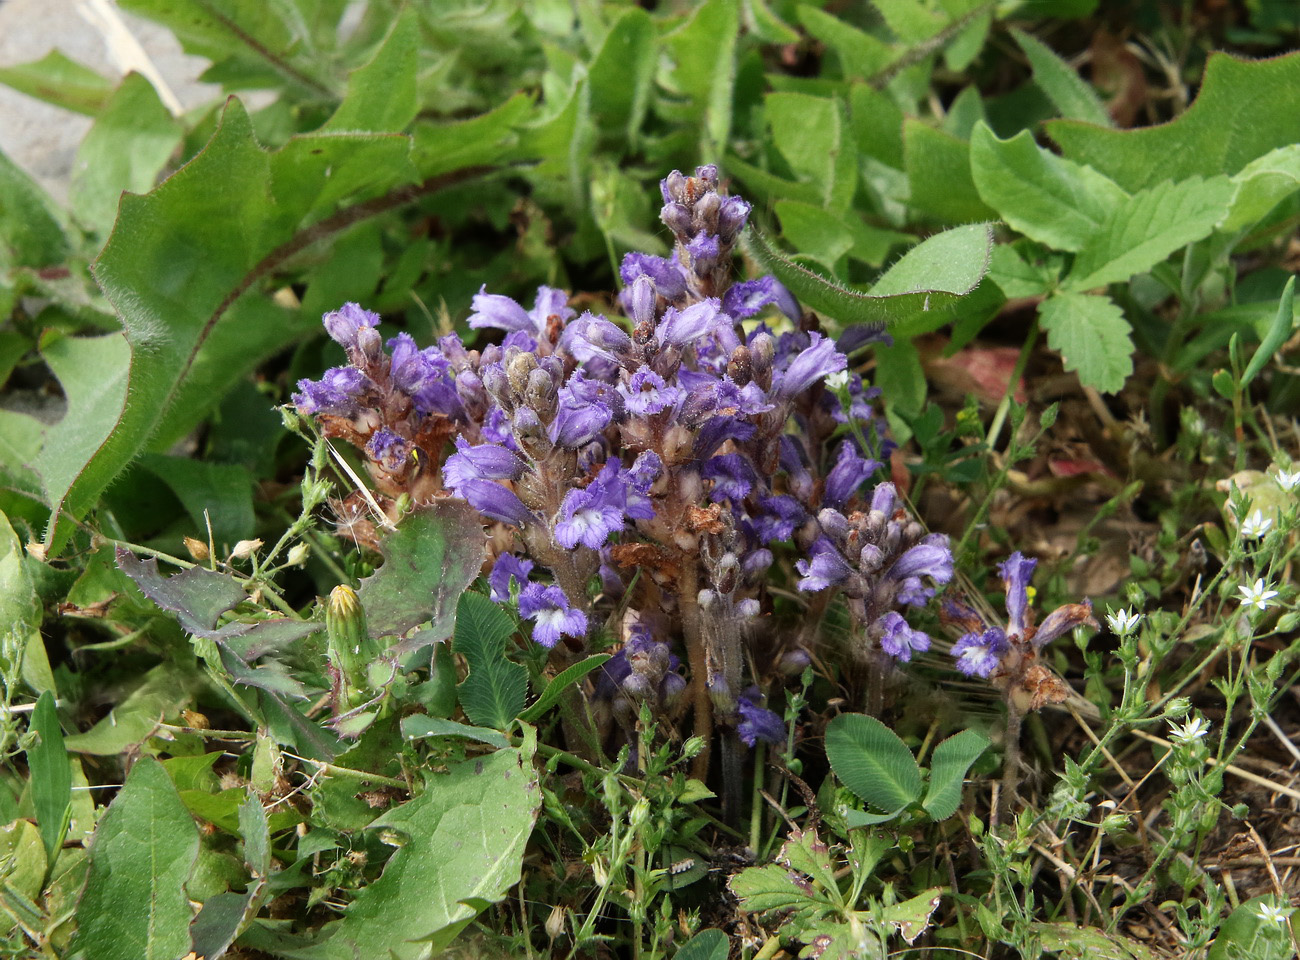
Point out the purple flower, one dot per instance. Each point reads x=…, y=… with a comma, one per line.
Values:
x=497, y=429
x=744, y=300
x=646, y=469
x=849, y=473
x=733, y=477
x=588, y=517
x=898, y=639
x=594, y=336
x=819, y=360
x=860, y=399
x=1016, y=571
x=717, y=431
x=334, y=394
x=777, y=518
x=704, y=251
x=551, y=614
x=487, y=461
x=346, y=323
x=501, y=312
x=930, y=557
x=647, y=394
x=795, y=464
x=388, y=450
x=978, y=654
x=758, y=723
x=576, y=422
x=409, y=368
x=827, y=568
x=680, y=327
x=668, y=276
x=508, y=567
x=732, y=214
x=493, y=500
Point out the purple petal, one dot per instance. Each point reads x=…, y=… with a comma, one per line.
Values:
x=1016, y=571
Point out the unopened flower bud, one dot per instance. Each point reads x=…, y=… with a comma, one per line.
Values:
x=793, y=662
x=679, y=445
x=643, y=300
x=672, y=688
x=518, y=369
x=708, y=599
x=762, y=350
x=541, y=395
x=298, y=554
x=245, y=548
x=835, y=524
x=677, y=218
x=639, y=814
x=741, y=365
x=530, y=434
x=748, y=608
x=497, y=386
x=349, y=643
x=370, y=344
x=197, y=549
x=555, y=922
x=720, y=693
x=728, y=572
x=637, y=686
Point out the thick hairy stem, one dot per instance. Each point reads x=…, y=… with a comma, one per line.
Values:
x=1010, y=763
x=688, y=603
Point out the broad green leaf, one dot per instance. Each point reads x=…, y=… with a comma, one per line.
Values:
x=1074, y=98
x=1230, y=124
x=761, y=184
x=223, y=490
x=126, y=149
x=948, y=767
x=861, y=55
x=622, y=75
x=703, y=69
x=711, y=944
x=900, y=377
x=61, y=81
x=813, y=231
x=218, y=923
x=164, y=691
x=145, y=847
x=876, y=124
x=443, y=147
x=872, y=761
x=1261, y=185
x=464, y=840
x=429, y=560
x=938, y=167
x=494, y=692
x=911, y=917
x=51, y=783
x=768, y=27
x=23, y=856
x=418, y=726
x=1017, y=277
x=935, y=273
x=806, y=852
x=910, y=20
x=563, y=680
x=31, y=228
x=774, y=887
x=1147, y=228
x=1092, y=336
x=862, y=818
x=381, y=94
x=810, y=133
x=256, y=834
x=1244, y=934
x=1072, y=942
x=1277, y=334
x=20, y=615
x=1048, y=199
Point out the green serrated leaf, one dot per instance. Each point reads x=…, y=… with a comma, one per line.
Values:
x=465, y=839
x=911, y=917
x=381, y=94
x=563, y=680
x=495, y=691
x=1092, y=336
x=872, y=761
x=31, y=228
x=126, y=148
x=51, y=782
x=1150, y=226
x=480, y=140
x=429, y=560
x=61, y=81
x=935, y=273
x=144, y=849
x=1229, y=125
x=1074, y=98
x=1261, y=185
x=948, y=767
x=774, y=887
x=1048, y=199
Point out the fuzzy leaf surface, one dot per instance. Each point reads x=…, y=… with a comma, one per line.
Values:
x=872, y=761
x=948, y=767
x=1092, y=336
x=494, y=692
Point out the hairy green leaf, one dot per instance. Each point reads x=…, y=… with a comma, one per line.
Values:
x=703, y=69
x=938, y=167
x=711, y=944
x=494, y=692
x=1230, y=124
x=1092, y=336
x=1074, y=98
x=563, y=680
x=810, y=132
x=1261, y=185
x=145, y=847
x=1147, y=228
x=47, y=759
x=1048, y=199
x=622, y=75
x=872, y=761
x=418, y=726
x=57, y=79
x=381, y=94
x=31, y=227
x=948, y=767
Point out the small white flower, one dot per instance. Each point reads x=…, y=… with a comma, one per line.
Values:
x=837, y=381
x=1122, y=623
x=1189, y=732
x=1255, y=525
x=1272, y=913
x=1257, y=596
x=1287, y=481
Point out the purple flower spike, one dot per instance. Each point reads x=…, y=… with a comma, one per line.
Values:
x=849, y=473
x=508, y=567
x=978, y=654
x=899, y=640
x=335, y=393
x=597, y=337
x=758, y=723
x=487, y=461
x=344, y=324
x=668, y=276
x=495, y=310
x=495, y=501
x=389, y=450
x=551, y=614
x=1016, y=571
x=680, y=327
x=819, y=360
x=828, y=568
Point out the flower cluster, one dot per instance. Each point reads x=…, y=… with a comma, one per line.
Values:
x=1009, y=655
x=648, y=459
